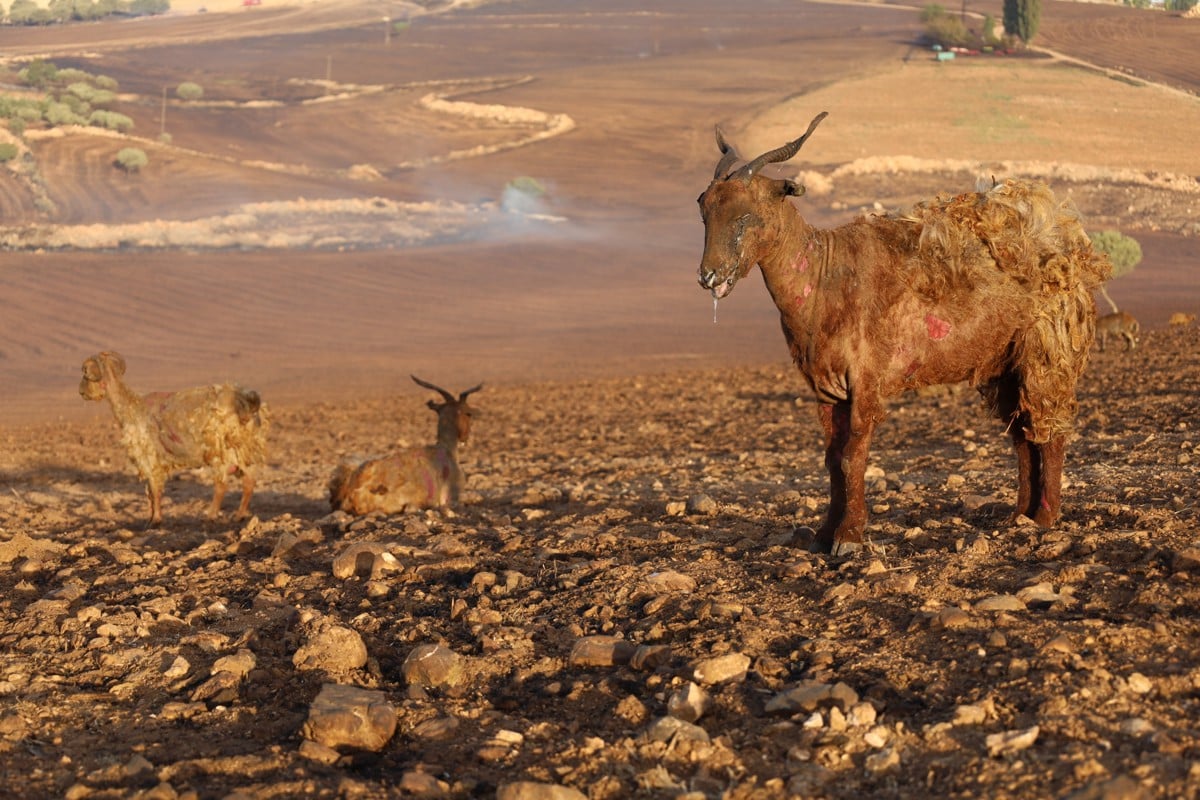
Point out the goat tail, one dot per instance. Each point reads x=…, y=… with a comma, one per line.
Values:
x=247, y=403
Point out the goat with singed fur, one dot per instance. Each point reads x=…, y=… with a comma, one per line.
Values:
x=417, y=477
x=992, y=287
x=222, y=427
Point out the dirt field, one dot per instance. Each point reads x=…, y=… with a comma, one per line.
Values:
x=637, y=471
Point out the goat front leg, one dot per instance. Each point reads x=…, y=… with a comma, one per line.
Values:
x=154, y=493
x=849, y=427
x=1050, y=457
x=243, y=510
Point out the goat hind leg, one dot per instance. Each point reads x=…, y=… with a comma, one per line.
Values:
x=835, y=421
x=849, y=434
x=219, y=486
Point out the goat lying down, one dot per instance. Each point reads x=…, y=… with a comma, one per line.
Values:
x=992, y=287
x=418, y=477
x=222, y=427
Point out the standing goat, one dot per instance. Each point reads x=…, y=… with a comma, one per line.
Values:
x=222, y=427
x=993, y=287
x=1120, y=324
x=418, y=477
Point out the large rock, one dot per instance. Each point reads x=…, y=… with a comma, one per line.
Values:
x=349, y=716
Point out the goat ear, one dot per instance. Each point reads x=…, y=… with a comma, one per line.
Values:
x=793, y=189
x=91, y=370
x=114, y=361
x=433, y=405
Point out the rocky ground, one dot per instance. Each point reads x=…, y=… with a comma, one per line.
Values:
x=617, y=608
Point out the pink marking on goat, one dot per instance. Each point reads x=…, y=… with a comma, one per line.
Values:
x=938, y=328
x=801, y=263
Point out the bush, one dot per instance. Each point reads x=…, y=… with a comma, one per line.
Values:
x=189, y=91
x=91, y=95
x=131, y=159
x=945, y=29
x=1123, y=251
x=39, y=74
x=16, y=126
x=62, y=114
x=111, y=120
x=8, y=151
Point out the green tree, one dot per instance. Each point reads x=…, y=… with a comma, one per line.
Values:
x=131, y=159
x=1021, y=18
x=111, y=120
x=189, y=91
x=8, y=151
x=1123, y=252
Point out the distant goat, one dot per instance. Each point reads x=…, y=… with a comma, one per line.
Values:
x=993, y=287
x=1119, y=323
x=418, y=477
x=222, y=427
x=1180, y=319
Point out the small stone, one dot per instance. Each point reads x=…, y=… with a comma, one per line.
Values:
x=882, y=760
x=364, y=558
x=1000, y=602
x=650, y=656
x=1137, y=726
x=348, y=716
x=315, y=751
x=861, y=715
x=332, y=648
x=668, y=581
x=1011, y=741
x=722, y=669
x=1059, y=644
x=689, y=702
x=1139, y=683
x=701, y=504
x=529, y=790
x=950, y=618
x=665, y=729
x=433, y=666
x=178, y=668
x=601, y=651
x=971, y=714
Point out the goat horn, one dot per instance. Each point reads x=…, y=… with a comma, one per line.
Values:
x=728, y=155
x=780, y=153
x=448, y=397
x=463, y=395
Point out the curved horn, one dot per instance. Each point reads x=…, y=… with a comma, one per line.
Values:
x=728, y=155
x=448, y=397
x=780, y=153
x=463, y=395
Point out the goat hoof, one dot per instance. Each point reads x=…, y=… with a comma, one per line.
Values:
x=845, y=548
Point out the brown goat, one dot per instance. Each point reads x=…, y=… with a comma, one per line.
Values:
x=992, y=287
x=1180, y=319
x=1121, y=324
x=222, y=427
x=418, y=477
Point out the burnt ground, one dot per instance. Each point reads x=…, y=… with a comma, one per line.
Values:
x=635, y=473
x=660, y=510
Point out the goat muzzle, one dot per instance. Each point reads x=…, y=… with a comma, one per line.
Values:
x=719, y=287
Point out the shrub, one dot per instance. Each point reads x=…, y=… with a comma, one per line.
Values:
x=189, y=91
x=111, y=120
x=131, y=159
x=105, y=82
x=91, y=95
x=16, y=126
x=39, y=74
x=1123, y=251
x=8, y=151
x=61, y=114
x=945, y=29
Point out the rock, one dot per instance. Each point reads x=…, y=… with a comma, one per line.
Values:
x=812, y=695
x=227, y=674
x=365, y=558
x=650, y=656
x=882, y=760
x=529, y=790
x=601, y=651
x=950, y=618
x=1121, y=787
x=1008, y=742
x=314, y=751
x=434, y=666
x=701, y=504
x=1187, y=559
x=348, y=716
x=1000, y=602
x=435, y=729
x=669, y=581
x=722, y=669
x=1139, y=683
x=332, y=648
x=666, y=729
x=688, y=703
